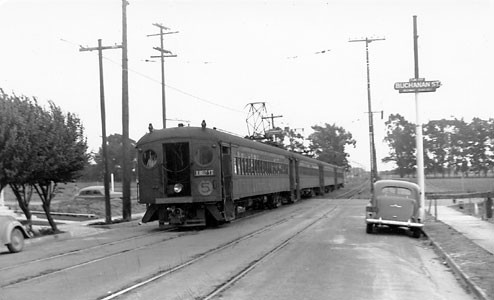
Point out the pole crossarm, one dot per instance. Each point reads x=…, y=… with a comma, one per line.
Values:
x=163, y=53
x=367, y=40
x=272, y=117
x=104, y=149
x=81, y=49
x=158, y=34
x=159, y=56
x=160, y=26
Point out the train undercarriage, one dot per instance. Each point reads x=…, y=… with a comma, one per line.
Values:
x=217, y=213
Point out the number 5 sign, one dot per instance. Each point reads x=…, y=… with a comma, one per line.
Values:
x=205, y=187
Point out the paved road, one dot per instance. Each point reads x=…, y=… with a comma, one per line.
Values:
x=336, y=259
x=322, y=252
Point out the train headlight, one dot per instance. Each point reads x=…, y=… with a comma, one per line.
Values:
x=177, y=188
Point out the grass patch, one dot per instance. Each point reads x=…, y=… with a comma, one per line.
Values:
x=64, y=201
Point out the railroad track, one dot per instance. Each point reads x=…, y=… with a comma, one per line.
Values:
x=250, y=265
x=52, y=272
x=263, y=258
x=73, y=261
x=355, y=191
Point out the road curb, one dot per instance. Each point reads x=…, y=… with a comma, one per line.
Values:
x=472, y=286
x=82, y=229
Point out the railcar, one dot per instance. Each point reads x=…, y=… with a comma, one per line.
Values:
x=196, y=176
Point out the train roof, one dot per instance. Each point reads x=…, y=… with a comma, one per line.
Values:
x=218, y=136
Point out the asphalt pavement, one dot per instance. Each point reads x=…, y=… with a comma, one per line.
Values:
x=478, y=231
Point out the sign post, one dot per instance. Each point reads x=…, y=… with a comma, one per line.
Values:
x=418, y=85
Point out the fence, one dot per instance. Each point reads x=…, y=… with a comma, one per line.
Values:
x=487, y=204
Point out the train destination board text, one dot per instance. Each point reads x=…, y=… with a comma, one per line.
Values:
x=417, y=86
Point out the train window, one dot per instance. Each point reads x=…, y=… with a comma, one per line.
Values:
x=204, y=155
x=236, y=169
x=149, y=159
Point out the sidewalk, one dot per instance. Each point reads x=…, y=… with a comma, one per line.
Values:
x=478, y=231
x=467, y=246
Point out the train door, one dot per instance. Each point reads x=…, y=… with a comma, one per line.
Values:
x=176, y=165
x=226, y=180
x=321, y=180
x=291, y=175
x=294, y=180
x=297, y=178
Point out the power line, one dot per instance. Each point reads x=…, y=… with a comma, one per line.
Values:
x=167, y=85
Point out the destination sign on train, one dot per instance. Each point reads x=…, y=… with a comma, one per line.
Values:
x=204, y=173
x=417, y=86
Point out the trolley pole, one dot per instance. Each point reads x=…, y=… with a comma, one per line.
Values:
x=106, y=179
x=163, y=53
x=371, y=118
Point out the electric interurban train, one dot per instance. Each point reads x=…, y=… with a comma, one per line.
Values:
x=196, y=176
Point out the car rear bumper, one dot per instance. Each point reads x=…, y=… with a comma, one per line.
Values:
x=380, y=221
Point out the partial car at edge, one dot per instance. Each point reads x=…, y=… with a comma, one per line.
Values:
x=12, y=233
x=96, y=192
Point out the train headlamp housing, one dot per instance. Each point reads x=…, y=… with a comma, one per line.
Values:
x=177, y=188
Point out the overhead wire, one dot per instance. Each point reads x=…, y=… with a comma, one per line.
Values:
x=183, y=91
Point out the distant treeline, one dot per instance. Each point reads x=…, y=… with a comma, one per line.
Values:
x=451, y=147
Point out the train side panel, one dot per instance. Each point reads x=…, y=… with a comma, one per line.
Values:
x=258, y=173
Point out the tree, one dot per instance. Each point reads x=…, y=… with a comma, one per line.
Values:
x=294, y=141
x=40, y=148
x=18, y=119
x=437, y=144
x=114, y=148
x=61, y=154
x=328, y=144
x=458, y=135
x=401, y=140
x=479, y=146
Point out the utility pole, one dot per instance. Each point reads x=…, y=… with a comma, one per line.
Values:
x=163, y=53
x=106, y=177
x=126, y=170
x=419, y=140
x=418, y=85
x=272, y=119
x=371, y=119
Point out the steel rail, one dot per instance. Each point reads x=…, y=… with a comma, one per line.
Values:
x=264, y=257
x=191, y=261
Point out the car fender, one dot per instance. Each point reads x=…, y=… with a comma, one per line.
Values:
x=6, y=231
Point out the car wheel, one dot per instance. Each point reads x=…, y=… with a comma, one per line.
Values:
x=16, y=241
x=370, y=228
x=416, y=233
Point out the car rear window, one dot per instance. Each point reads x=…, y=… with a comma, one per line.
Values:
x=396, y=191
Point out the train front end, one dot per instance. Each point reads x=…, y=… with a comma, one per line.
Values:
x=179, y=176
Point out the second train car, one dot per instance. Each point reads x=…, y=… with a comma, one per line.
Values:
x=196, y=176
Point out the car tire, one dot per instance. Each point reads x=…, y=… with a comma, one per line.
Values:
x=16, y=241
x=416, y=233
x=369, y=228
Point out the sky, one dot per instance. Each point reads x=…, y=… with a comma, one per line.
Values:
x=293, y=55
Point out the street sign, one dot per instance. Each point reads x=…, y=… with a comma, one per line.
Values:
x=419, y=85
